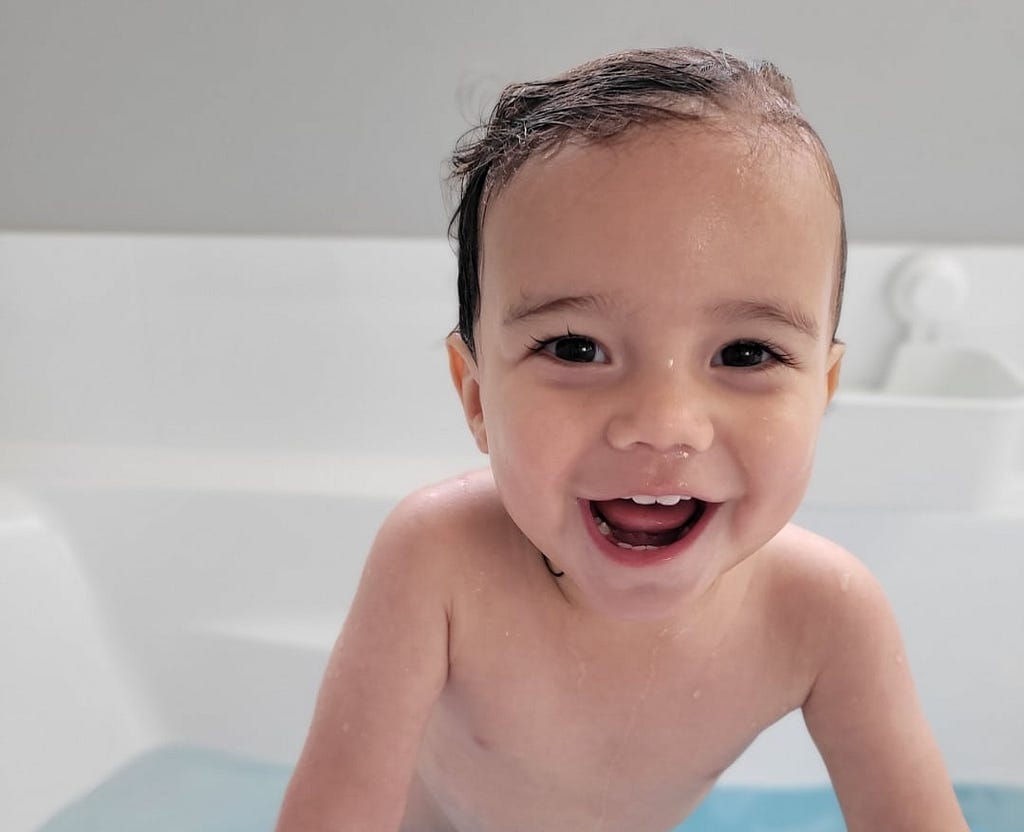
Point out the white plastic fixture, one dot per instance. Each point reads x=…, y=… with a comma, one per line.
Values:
x=943, y=429
x=926, y=291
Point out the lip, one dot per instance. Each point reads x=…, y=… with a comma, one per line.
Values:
x=640, y=558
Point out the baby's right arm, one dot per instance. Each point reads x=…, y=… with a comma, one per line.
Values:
x=383, y=676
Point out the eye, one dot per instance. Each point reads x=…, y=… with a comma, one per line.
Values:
x=751, y=354
x=575, y=349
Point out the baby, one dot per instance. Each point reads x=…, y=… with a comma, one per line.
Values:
x=585, y=635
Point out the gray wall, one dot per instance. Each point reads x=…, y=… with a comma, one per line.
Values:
x=321, y=117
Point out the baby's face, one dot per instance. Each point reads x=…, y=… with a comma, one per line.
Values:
x=656, y=320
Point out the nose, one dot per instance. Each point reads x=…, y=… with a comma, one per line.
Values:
x=662, y=411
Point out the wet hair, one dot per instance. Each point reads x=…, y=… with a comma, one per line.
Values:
x=600, y=101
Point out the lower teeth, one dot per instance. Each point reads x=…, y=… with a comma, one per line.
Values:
x=606, y=531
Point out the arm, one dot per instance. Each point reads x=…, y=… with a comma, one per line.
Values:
x=864, y=716
x=383, y=676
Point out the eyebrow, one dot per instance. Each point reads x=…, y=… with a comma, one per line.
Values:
x=764, y=310
x=531, y=307
x=752, y=310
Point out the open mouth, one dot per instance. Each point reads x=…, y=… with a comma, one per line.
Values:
x=632, y=525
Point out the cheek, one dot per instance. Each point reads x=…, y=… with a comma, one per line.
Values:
x=519, y=432
x=537, y=449
x=525, y=419
x=781, y=446
x=506, y=417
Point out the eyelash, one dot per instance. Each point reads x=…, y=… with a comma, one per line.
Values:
x=540, y=344
x=776, y=355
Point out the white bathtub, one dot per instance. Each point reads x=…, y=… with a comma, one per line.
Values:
x=198, y=442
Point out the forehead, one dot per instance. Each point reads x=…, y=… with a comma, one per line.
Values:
x=660, y=204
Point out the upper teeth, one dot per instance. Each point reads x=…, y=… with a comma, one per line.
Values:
x=667, y=500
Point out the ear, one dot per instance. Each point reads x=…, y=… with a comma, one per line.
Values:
x=465, y=376
x=833, y=364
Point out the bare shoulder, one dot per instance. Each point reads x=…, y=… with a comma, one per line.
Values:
x=819, y=592
x=837, y=605
x=461, y=505
x=448, y=521
x=814, y=567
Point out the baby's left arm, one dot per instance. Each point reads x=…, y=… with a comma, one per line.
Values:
x=865, y=718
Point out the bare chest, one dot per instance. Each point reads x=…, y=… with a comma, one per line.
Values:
x=658, y=713
x=536, y=724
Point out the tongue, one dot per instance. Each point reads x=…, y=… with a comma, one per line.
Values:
x=629, y=516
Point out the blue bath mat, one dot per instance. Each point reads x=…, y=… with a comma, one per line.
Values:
x=747, y=809
x=180, y=789
x=185, y=789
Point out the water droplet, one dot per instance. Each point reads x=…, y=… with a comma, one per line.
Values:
x=844, y=582
x=696, y=693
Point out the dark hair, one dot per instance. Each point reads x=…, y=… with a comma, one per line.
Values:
x=598, y=101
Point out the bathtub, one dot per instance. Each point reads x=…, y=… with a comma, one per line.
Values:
x=201, y=435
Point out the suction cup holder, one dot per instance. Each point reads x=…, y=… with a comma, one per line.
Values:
x=926, y=291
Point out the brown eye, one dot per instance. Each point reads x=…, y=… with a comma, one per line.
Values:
x=745, y=354
x=573, y=349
